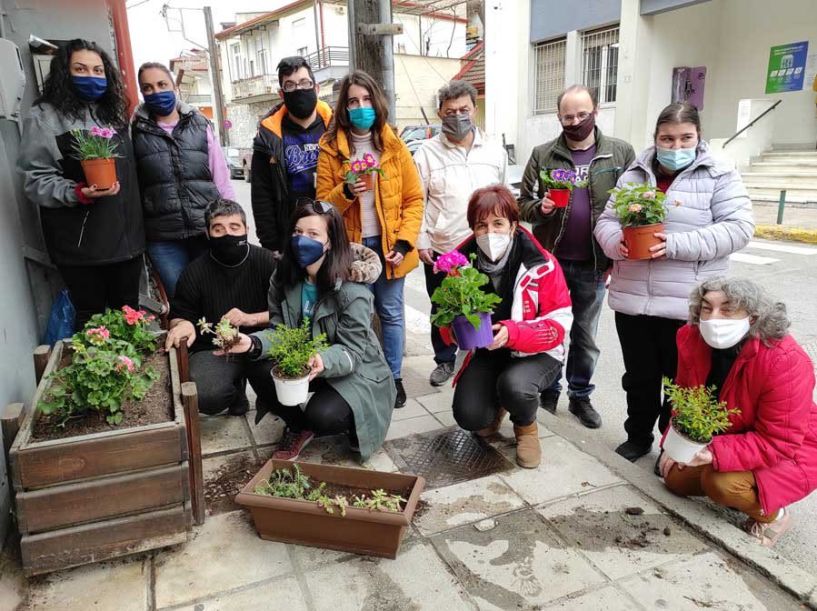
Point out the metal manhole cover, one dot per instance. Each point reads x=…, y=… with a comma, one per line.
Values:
x=445, y=458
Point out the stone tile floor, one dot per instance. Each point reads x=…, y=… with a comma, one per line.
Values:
x=563, y=536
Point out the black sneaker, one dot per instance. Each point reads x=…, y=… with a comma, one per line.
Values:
x=400, y=399
x=549, y=399
x=633, y=451
x=441, y=374
x=583, y=410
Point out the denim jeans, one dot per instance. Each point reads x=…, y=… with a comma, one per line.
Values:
x=388, y=303
x=586, y=287
x=172, y=256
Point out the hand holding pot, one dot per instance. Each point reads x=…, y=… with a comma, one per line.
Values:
x=93, y=193
x=622, y=249
x=547, y=206
x=315, y=366
x=501, y=337
x=659, y=250
x=358, y=187
x=665, y=463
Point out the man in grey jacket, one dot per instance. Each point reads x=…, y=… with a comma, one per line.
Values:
x=598, y=161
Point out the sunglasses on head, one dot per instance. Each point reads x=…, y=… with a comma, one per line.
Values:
x=320, y=206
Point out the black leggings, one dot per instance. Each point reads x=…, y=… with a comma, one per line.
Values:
x=494, y=379
x=326, y=413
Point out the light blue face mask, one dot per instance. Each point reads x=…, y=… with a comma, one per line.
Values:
x=675, y=159
x=362, y=118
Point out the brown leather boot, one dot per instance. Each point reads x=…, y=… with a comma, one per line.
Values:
x=493, y=428
x=528, y=450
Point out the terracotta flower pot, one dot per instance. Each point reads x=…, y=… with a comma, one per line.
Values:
x=469, y=338
x=679, y=447
x=99, y=172
x=560, y=197
x=638, y=240
x=376, y=533
x=368, y=180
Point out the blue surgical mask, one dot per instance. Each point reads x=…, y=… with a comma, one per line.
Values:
x=90, y=88
x=362, y=118
x=675, y=159
x=161, y=103
x=306, y=250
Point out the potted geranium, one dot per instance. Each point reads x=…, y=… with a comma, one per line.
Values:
x=461, y=302
x=96, y=150
x=641, y=212
x=291, y=349
x=559, y=183
x=364, y=169
x=697, y=416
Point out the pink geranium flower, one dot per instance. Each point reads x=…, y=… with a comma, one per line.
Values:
x=132, y=316
x=97, y=335
x=125, y=363
x=450, y=262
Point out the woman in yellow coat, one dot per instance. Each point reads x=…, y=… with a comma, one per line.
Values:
x=385, y=217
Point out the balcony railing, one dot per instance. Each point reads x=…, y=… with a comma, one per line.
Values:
x=327, y=57
x=262, y=84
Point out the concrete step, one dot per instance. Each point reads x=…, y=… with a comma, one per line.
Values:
x=776, y=163
x=780, y=181
x=789, y=155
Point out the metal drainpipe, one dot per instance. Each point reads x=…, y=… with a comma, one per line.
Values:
x=124, y=52
x=384, y=7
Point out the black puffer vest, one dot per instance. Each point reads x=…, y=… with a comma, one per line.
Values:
x=174, y=174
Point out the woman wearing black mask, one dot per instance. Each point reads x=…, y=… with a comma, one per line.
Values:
x=181, y=170
x=353, y=389
x=94, y=236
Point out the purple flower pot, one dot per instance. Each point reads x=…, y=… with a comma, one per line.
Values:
x=469, y=338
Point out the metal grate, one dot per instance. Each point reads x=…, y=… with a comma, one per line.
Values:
x=600, y=63
x=445, y=458
x=550, y=74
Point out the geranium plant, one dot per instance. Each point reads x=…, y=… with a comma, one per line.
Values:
x=97, y=143
x=291, y=348
x=226, y=334
x=125, y=325
x=361, y=167
x=638, y=204
x=460, y=293
x=696, y=412
x=561, y=178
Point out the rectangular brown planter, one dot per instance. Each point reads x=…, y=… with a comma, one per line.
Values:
x=376, y=533
x=97, y=496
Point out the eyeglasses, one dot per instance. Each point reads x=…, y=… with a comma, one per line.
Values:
x=290, y=86
x=570, y=118
x=320, y=206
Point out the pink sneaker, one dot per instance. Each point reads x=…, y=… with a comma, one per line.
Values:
x=768, y=533
x=292, y=444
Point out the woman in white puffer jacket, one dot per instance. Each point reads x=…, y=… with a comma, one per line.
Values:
x=709, y=216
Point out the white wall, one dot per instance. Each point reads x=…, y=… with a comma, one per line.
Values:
x=417, y=80
x=506, y=84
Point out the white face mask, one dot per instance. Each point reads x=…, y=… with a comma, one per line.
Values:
x=494, y=245
x=724, y=332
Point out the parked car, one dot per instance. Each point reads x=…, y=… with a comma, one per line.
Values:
x=234, y=162
x=411, y=133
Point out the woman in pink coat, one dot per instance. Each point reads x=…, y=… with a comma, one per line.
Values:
x=737, y=341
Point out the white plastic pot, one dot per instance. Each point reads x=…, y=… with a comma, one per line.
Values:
x=291, y=392
x=679, y=447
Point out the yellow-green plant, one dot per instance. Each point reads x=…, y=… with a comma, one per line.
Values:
x=292, y=347
x=696, y=411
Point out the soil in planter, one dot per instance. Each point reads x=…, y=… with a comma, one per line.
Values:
x=156, y=407
x=228, y=480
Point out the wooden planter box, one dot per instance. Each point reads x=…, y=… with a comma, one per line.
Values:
x=375, y=533
x=97, y=496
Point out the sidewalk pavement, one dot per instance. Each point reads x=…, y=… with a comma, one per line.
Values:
x=799, y=222
x=586, y=530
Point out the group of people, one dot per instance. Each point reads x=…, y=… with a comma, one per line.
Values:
x=334, y=251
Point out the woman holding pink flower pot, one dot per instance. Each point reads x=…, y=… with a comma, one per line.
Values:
x=92, y=225
x=367, y=172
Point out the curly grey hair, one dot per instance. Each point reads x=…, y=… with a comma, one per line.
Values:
x=769, y=318
x=456, y=89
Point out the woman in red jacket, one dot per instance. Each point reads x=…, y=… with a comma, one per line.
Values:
x=530, y=325
x=737, y=341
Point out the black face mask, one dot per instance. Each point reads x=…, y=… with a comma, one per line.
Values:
x=229, y=249
x=301, y=102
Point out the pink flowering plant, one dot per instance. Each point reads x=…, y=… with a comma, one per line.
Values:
x=460, y=293
x=561, y=178
x=638, y=204
x=96, y=143
x=359, y=167
x=106, y=368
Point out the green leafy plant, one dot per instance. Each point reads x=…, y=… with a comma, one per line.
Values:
x=125, y=325
x=380, y=500
x=97, y=143
x=638, y=204
x=226, y=334
x=696, y=411
x=460, y=293
x=292, y=347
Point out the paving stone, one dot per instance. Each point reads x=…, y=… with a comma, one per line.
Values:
x=439, y=401
x=120, y=585
x=464, y=503
x=706, y=581
x=13, y=584
x=222, y=434
x=224, y=475
x=310, y=558
x=617, y=543
x=268, y=431
x=520, y=564
x=279, y=594
x=226, y=553
x=446, y=418
x=606, y=599
x=411, y=409
x=564, y=470
x=421, y=424
x=416, y=580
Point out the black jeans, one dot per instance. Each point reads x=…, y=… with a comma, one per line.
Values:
x=443, y=353
x=326, y=412
x=494, y=379
x=649, y=351
x=220, y=380
x=96, y=287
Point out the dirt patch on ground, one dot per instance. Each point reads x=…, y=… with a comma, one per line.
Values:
x=156, y=407
x=228, y=480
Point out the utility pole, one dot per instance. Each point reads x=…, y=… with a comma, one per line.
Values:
x=215, y=76
x=371, y=46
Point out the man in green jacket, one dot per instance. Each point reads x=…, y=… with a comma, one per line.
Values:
x=567, y=232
